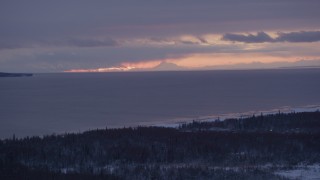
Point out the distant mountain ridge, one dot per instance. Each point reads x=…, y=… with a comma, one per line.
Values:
x=261, y=65
x=167, y=66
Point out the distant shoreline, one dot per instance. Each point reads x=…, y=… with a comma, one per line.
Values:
x=2, y=74
x=176, y=124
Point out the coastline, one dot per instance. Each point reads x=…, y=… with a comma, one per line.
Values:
x=3, y=74
x=176, y=123
x=194, y=150
x=285, y=109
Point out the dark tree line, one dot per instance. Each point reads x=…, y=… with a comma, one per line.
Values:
x=160, y=153
x=280, y=122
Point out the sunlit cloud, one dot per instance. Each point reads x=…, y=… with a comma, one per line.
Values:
x=226, y=39
x=189, y=40
x=207, y=60
x=216, y=59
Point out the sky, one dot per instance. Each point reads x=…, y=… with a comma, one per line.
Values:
x=127, y=35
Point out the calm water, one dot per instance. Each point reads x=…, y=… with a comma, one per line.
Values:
x=48, y=103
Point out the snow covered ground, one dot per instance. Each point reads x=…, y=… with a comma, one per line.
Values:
x=310, y=172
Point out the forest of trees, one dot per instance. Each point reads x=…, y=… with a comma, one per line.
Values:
x=229, y=149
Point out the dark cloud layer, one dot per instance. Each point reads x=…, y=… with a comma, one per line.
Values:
x=302, y=36
x=68, y=42
x=91, y=42
x=127, y=18
x=261, y=37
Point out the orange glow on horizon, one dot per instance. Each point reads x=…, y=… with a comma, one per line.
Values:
x=126, y=66
x=218, y=59
x=110, y=69
x=194, y=61
x=142, y=64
